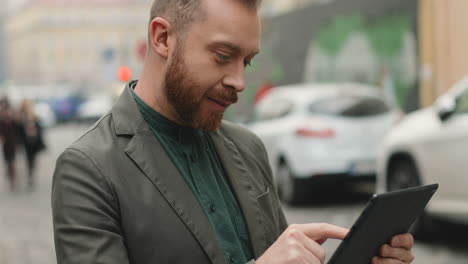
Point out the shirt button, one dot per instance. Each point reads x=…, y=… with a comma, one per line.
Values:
x=212, y=208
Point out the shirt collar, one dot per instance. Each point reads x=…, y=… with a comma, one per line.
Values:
x=162, y=124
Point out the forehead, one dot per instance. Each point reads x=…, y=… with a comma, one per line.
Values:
x=229, y=21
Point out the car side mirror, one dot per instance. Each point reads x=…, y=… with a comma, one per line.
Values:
x=445, y=106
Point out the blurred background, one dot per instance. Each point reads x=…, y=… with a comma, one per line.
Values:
x=350, y=97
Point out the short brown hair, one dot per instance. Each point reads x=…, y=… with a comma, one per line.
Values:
x=181, y=12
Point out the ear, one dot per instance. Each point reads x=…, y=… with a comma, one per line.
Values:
x=160, y=36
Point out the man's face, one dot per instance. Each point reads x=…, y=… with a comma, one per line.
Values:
x=207, y=68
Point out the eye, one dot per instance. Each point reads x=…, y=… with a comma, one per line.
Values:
x=223, y=58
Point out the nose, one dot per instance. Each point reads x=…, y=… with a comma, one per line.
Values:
x=235, y=78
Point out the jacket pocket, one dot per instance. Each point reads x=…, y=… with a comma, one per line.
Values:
x=269, y=208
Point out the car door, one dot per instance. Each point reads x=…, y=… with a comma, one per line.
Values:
x=448, y=165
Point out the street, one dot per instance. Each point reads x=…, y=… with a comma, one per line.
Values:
x=26, y=226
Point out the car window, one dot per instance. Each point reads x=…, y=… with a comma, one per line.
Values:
x=272, y=109
x=349, y=106
x=462, y=103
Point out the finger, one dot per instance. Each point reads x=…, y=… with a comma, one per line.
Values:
x=310, y=257
x=297, y=236
x=321, y=241
x=402, y=241
x=402, y=254
x=380, y=260
x=319, y=232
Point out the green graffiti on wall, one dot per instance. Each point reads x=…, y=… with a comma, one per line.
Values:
x=385, y=38
x=353, y=48
x=332, y=38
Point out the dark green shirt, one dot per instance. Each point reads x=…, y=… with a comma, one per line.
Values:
x=195, y=157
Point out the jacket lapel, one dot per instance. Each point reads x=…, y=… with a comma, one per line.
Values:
x=148, y=154
x=241, y=183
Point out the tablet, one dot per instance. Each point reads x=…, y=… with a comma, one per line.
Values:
x=385, y=215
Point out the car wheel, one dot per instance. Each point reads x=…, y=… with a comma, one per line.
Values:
x=404, y=174
x=289, y=188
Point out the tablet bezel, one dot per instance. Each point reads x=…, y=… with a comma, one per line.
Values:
x=384, y=216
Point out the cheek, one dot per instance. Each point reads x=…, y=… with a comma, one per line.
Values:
x=204, y=70
x=207, y=80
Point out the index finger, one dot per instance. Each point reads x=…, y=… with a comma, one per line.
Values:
x=324, y=231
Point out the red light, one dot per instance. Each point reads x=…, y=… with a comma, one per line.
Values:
x=124, y=74
x=307, y=132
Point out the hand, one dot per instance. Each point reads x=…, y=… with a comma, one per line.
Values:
x=302, y=244
x=398, y=252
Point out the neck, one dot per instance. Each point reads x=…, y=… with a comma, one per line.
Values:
x=150, y=89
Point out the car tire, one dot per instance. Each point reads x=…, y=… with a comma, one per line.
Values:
x=291, y=191
x=403, y=174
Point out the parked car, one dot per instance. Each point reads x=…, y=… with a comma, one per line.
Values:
x=66, y=107
x=321, y=133
x=94, y=107
x=431, y=146
x=45, y=114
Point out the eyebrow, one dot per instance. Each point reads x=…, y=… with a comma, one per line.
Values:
x=235, y=48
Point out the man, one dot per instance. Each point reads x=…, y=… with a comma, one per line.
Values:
x=161, y=179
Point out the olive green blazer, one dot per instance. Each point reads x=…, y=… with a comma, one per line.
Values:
x=118, y=198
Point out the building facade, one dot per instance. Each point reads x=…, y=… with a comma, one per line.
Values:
x=3, y=64
x=82, y=42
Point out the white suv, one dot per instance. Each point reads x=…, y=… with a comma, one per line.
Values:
x=321, y=133
x=431, y=146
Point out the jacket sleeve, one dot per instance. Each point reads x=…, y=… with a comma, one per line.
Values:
x=85, y=212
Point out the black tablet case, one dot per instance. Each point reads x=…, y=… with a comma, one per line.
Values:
x=384, y=216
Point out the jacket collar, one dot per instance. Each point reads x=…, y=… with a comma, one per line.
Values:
x=125, y=113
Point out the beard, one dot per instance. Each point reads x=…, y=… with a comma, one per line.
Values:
x=183, y=94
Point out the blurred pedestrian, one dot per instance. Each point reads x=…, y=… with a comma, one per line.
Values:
x=31, y=137
x=8, y=135
x=162, y=179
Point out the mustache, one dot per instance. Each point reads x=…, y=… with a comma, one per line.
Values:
x=227, y=95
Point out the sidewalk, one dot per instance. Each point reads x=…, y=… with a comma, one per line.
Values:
x=25, y=216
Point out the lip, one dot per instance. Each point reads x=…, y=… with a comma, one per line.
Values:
x=221, y=105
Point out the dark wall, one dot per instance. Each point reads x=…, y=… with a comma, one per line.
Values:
x=289, y=35
x=287, y=41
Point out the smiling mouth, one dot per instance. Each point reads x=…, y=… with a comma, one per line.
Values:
x=222, y=104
